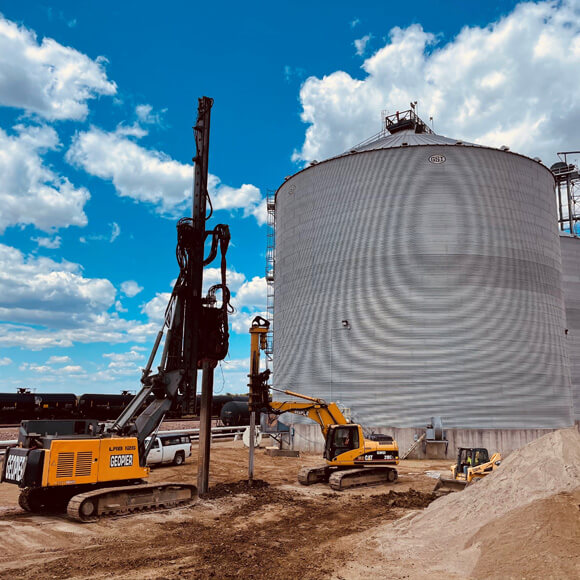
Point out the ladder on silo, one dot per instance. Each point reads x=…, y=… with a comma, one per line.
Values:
x=413, y=447
x=270, y=266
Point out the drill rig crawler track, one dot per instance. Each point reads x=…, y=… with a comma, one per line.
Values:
x=127, y=499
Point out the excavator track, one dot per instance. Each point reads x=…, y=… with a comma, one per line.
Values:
x=347, y=478
x=311, y=475
x=112, y=501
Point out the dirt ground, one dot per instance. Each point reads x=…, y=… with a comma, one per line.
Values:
x=275, y=530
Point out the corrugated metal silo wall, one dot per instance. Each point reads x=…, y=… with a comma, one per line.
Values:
x=449, y=276
x=571, y=283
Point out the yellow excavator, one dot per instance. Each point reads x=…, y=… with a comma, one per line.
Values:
x=92, y=469
x=473, y=463
x=351, y=458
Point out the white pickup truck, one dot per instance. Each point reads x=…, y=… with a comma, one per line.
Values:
x=169, y=448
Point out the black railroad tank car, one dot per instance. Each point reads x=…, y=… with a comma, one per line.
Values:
x=219, y=401
x=235, y=413
x=14, y=407
x=102, y=406
x=55, y=405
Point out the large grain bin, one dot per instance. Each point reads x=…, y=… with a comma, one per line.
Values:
x=571, y=283
x=417, y=276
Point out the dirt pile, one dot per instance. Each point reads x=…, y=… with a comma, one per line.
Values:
x=228, y=489
x=539, y=540
x=524, y=514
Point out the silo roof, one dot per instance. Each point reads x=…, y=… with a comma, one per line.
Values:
x=385, y=140
x=406, y=129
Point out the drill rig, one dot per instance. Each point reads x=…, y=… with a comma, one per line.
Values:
x=93, y=469
x=352, y=460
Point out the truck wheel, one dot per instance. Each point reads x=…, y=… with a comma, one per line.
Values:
x=179, y=458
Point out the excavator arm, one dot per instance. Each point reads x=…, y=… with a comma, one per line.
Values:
x=323, y=413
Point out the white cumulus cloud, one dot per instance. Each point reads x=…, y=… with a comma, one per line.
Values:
x=58, y=360
x=130, y=288
x=145, y=115
x=30, y=192
x=115, y=231
x=40, y=290
x=48, y=370
x=125, y=363
x=47, y=78
x=136, y=172
x=361, y=44
x=49, y=243
x=51, y=303
x=151, y=176
x=155, y=308
x=242, y=321
x=213, y=276
x=252, y=294
x=494, y=85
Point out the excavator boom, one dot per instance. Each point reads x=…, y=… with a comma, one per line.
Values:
x=322, y=413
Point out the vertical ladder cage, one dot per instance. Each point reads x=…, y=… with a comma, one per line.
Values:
x=270, y=267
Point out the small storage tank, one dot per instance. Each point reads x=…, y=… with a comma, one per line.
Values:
x=420, y=276
x=571, y=283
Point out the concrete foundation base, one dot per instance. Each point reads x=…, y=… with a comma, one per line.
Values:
x=275, y=452
x=308, y=438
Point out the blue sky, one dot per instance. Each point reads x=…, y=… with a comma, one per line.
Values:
x=97, y=101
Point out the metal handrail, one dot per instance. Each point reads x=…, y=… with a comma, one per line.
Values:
x=216, y=433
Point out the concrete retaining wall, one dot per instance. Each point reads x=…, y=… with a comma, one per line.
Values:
x=308, y=438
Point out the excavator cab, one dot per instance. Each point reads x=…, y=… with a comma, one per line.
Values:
x=340, y=439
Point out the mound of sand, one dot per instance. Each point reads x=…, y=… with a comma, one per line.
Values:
x=523, y=520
